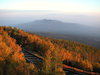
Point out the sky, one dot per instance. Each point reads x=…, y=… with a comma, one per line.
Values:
x=64, y=6
x=86, y=12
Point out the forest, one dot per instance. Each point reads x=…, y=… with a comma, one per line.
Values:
x=53, y=51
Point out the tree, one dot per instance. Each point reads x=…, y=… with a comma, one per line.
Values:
x=52, y=62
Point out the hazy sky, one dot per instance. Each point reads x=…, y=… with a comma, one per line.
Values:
x=86, y=12
x=70, y=6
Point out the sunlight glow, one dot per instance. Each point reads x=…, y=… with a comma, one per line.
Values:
x=54, y=5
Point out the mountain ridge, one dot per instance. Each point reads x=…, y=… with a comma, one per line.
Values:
x=47, y=25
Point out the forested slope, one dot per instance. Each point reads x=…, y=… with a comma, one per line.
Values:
x=12, y=60
x=55, y=52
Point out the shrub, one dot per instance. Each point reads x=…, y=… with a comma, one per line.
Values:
x=96, y=67
x=86, y=65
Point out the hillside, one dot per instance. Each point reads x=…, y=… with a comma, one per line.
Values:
x=54, y=52
x=89, y=40
x=12, y=61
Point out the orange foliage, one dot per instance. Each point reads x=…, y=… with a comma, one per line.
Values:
x=1, y=29
x=8, y=47
x=4, y=51
x=20, y=67
x=65, y=55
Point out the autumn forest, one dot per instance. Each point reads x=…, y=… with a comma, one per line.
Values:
x=53, y=53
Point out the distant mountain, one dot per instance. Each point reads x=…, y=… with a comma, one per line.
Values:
x=55, y=26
